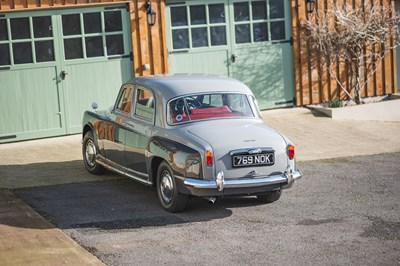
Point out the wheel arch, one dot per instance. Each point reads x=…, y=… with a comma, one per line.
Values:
x=86, y=129
x=179, y=156
x=155, y=163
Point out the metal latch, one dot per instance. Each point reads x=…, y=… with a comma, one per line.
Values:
x=233, y=58
x=63, y=75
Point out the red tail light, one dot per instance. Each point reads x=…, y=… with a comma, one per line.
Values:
x=290, y=151
x=209, y=158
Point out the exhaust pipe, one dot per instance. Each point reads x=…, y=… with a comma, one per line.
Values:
x=211, y=200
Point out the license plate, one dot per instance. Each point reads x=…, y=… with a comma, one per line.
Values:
x=253, y=160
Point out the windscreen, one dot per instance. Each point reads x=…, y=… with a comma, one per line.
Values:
x=209, y=106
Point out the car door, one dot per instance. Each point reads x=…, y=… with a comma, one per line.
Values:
x=138, y=131
x=114, y=134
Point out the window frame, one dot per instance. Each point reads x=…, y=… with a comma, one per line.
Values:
x=208, y=26
x=120, y=95
x=251, y=22
x=135, y=103
x=104, y=35
x=250, y=99
x=30, y=40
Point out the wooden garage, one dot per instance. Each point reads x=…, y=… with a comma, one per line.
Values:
x=57, y=56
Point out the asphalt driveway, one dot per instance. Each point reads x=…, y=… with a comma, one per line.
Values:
x=346, y=211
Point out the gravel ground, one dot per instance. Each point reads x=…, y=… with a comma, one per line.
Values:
x=344, y=211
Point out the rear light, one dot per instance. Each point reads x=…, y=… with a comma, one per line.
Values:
x=209, y=158
x=290, y=151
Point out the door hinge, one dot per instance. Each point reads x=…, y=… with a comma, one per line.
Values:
x=284, y=41
x=130, y=56
x=284, y=102
x=8, y=137
x=178, y=52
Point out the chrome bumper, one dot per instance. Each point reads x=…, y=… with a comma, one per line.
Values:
x=287, y=179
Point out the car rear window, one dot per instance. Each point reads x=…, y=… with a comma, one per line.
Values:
x=208, y=106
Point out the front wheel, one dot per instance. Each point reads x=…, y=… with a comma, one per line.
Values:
x=169, y=196
x=89, y=152
x=270, y=196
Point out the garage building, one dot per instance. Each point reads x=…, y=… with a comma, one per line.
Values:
x=59, y=56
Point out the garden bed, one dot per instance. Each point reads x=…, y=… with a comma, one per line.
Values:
x=374, y=109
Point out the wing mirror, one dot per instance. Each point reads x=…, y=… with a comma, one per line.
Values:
x=94, y=106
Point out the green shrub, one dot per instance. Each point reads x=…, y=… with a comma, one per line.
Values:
x=335, y=103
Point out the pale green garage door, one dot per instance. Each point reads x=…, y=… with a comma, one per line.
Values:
x=55, y=63
x=247, y=40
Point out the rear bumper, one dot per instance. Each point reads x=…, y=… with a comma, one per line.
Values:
x=246, y=186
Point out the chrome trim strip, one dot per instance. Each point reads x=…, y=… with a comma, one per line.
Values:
x=248, y=151
x=104, y=162
x=146, y=182
x=255, y=151
x=244, y=183
x=131, y=172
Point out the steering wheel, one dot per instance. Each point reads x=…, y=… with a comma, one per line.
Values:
x=192, y=103
x=179, y=105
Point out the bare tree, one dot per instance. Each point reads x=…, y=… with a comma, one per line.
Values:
x=360, y=37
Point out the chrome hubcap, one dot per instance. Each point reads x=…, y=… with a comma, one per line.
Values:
x=90, y=153
x=166, y=187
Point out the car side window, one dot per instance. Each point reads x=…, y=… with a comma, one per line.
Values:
x=144, y=104
x=125, y=99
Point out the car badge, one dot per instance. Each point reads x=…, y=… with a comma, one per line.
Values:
x=255, y=151
x=252, y=173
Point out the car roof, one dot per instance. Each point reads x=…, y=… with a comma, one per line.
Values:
x=174, y=85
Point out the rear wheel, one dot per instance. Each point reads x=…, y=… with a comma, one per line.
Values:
x=270, y=196
x=169, y=196
x=89, y=152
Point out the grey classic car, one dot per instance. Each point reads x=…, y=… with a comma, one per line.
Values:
x=189, y=135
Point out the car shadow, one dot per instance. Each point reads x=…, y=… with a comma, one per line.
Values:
x=116, y=204
x=112, y=203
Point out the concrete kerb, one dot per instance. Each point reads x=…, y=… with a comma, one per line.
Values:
x=386, y=111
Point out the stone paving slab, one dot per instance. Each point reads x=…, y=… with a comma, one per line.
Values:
x=26, y=238
x=320, y=137
x=57, y=149
x=41, y=163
